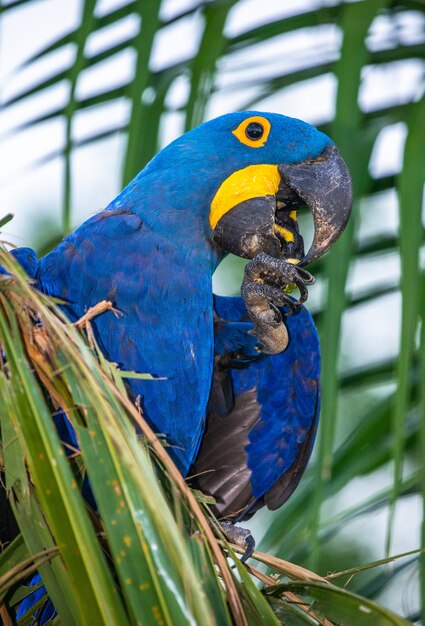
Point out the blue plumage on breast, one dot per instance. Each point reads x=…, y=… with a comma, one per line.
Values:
x=165, y=324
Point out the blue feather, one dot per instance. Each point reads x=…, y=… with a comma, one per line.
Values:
x=166, y=322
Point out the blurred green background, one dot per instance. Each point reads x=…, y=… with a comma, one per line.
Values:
x=92, y=89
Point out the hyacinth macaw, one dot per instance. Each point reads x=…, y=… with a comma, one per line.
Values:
x=237, y=394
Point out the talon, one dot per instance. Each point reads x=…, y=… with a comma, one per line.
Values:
x=306, y=276
x=250, y=547
x=292, y=306
x=303, y=291
x=242, y=537
x=278, y=314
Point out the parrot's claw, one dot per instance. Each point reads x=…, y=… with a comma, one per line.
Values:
x=278, y=273
x=242, y=537
x=261, y=302
x=263, y=290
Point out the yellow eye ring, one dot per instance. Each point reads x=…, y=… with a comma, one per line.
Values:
x=241, y=134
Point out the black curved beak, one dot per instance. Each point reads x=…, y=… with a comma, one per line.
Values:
x=267, y=223
x=324, y=185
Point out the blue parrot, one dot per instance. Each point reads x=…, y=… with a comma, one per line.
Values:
x=236, y=389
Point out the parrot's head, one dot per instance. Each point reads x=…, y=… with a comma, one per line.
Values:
x=241, y=178
x=279, y=165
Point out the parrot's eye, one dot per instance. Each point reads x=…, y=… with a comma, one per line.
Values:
x=254, y=131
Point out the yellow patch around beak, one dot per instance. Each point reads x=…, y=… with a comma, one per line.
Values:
x=253, y=181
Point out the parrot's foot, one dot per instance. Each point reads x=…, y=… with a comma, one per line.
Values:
x=241, y=537
x=264, y=288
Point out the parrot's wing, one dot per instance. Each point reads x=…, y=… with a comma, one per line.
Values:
x=262, y=415
x=158, y=329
